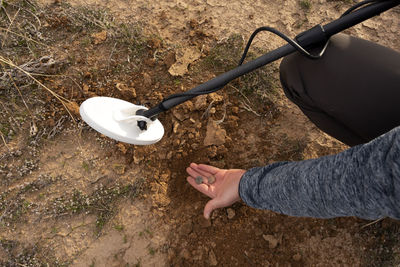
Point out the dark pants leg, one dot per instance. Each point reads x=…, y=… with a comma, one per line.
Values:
x=352, y=92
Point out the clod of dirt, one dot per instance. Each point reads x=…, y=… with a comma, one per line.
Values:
x=272, y=241
x=186, y=228
x=215, y=134
x=119, y=168
x=201, y=102
x=185, y=254
x=231, y=213
x=125, y=90
x=204, y=223
x=215, y=97
x=147, y=80
x=169, y=59
x=213, y=258
x=296, y=257
x=99, y=37
x=184, y=57
x=73, y=107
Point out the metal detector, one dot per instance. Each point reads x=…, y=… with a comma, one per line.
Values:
x=138, y=125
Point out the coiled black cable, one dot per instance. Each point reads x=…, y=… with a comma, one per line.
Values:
x=290, y=41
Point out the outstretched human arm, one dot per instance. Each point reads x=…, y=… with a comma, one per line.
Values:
x=363, y=181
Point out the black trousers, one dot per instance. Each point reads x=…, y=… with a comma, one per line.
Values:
x=352, y=93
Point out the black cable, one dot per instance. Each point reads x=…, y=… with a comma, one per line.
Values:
x=358, y=5
x=292, y=42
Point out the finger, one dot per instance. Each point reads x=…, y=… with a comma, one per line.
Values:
x=211, y=205
x=200, y=187
x=201, y=171
x=194, y=172
x=208, y=168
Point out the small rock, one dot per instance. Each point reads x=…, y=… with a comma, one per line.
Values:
x=201, y=102
x=296, y=257
x=212, y=151
x=213, y=258
x=215, y=97
x=175, y=128
x=169, y=59
x=185, y=254
x=235, y=110
x=147, y=80
x=272, y=241
x=231, y=213
x=73, y=107
x=204, y=223
x=125, y=90
x=215, y=135
x=122, y=148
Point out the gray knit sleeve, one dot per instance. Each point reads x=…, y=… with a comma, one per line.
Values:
x=363, y=181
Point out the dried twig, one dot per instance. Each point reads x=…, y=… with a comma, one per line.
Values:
x=223, y=117
x=371, y=223
x=246, y=106
x=27, y=38
x=57, y=96
x=9, y=26
x=205, y=114
x=5, y=143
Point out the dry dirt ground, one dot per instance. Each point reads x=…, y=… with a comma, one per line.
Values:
x=72, y=197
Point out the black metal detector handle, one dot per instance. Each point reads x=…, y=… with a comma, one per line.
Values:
x=314, y=36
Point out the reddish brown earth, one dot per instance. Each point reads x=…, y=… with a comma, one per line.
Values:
x=71, y=196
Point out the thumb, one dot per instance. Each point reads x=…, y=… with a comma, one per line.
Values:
x=210, y=206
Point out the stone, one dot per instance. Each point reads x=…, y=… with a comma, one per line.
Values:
x=215, y=135
x=216, y=97
x=99, y=37
x=125, y=90
x=184, y=57
x=147, y=80
x=231, y=213
x=200, y=102
x=296, y=257
x=185, y=254
x=204, y=223
x=272, y=241
x=213, y=258
x=235, y=110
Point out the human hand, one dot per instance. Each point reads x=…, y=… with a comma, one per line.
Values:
x=224, y=191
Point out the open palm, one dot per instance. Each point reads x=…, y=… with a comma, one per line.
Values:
x=224, y=191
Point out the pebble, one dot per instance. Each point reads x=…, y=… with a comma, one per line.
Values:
x=272, y=241
x=204, y=223
x=231, y=213
x=297, y=257
x=199, y=180
x=213, y=258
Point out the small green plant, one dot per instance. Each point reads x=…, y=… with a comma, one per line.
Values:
x=152, y=251
x=85, y=166
x=305, y=4
x=119, y=227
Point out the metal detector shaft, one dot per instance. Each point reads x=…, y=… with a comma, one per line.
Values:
x=312, y=37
